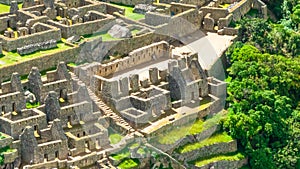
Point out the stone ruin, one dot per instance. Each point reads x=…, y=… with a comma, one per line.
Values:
x=36, y=47
x=65, y=124
x=143, y=8
x=118, y=31
x=148, y=90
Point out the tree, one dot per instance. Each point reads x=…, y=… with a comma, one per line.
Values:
x=263, y=92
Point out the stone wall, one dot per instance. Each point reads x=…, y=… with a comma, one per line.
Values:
x=189, y=22
x=224, y=22
x=216, y=13
x=10, y=44
x=241, y=9
x=198, y=3
x=262, y=7
x=156, y=19
x=120, y=47
x=10, y=157
x=11, y=101
x=228, y=31
x=129, y=2
x=177, y=8
x=7, y=20
x=99, y=7
x=15, y=127
x=110, y=9
x=187, y=139
x=23, y=16
x=223, y=164
x=1, y=52
x=8, y=1
x=85, y=28
x=6, y=141
x=42, y=62
x=209, y=150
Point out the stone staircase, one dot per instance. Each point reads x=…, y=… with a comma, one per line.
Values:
x=117, y=120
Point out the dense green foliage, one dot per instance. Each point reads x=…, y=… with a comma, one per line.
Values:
x=263, y=93
x=264, y=88
x=271, y=38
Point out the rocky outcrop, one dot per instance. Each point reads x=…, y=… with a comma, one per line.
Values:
x=118, y=31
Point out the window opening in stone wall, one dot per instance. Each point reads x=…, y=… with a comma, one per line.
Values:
x=3, y=109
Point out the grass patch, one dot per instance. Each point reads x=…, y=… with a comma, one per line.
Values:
x=197, y=127
x=128, y=163
x=2, y=136
x=216, y=119
x=141, y=151
x=122, y=155
x=13, y=57
x=216, y=138
x=5, y=8
x=225, y=6
x=5, y=150
x=105, y=36
x=227, y=157
x=72, y=64
x=191, y=129
x=134, y=145
x=134, y=32
x=180, y=132
x=129, y=12
x=205, y=103
x=34, y=105
x=115, y=138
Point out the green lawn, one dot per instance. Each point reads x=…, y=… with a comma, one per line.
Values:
x=115, y=138
x=129, y=12
x=105, y=36
x=227, y=157
x=128, y=163
x=13, y=57
x=5, y=8
x=216, y=138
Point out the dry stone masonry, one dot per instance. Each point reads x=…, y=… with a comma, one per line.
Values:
x=140, y=85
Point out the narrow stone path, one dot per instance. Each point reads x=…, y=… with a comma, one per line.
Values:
x=105, y=109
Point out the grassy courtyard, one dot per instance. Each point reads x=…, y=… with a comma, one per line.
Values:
x=5, y=8
x=13, y=57
x=129, y=12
